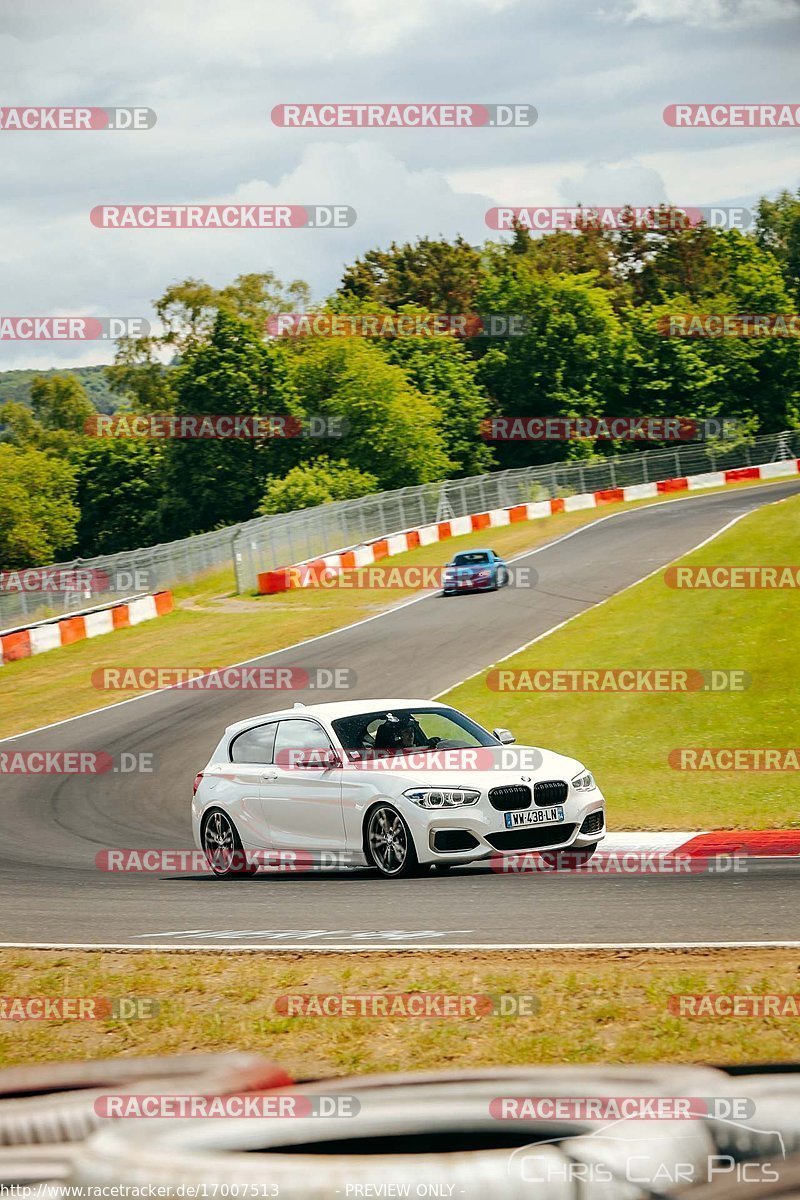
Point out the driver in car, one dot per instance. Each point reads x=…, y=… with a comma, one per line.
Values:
x=399, y=733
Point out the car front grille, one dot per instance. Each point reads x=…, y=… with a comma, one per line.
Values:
x=550, y=791
x=511, y=797
x=531, y=839
x=593, y=823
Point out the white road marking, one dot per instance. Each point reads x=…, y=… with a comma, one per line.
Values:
x=454, y=946
x=392, y=935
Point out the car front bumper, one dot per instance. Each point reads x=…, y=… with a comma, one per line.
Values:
x=490, y=837
x=467, y=584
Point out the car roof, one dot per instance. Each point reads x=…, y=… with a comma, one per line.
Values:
x=474, y=550
x=334, y=709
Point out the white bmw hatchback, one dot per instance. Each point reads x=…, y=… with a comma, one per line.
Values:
x=396, y=785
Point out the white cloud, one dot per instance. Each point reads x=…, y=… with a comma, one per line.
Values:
x=65, y=266
x=732, y=14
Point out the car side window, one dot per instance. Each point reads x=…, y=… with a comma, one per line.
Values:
x=254, y=745
x=295, y=734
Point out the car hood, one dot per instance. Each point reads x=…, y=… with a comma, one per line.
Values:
x=505, y=765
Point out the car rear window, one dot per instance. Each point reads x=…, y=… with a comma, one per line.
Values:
x=254, y=745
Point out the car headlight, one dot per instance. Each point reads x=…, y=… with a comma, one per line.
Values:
x=432, y=797
x=584, y=782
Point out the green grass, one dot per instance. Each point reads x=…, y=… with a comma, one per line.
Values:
x=626, y=738
x=593, y=1006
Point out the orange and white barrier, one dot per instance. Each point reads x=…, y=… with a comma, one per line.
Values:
x=63, y=631
x=303, y=574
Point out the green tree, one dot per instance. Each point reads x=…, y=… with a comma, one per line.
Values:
x=214, y=482
x=121, y=496
x=430, y=273
x=143, y=370
x=442, y=368
x=60, y=402
x=568, y=362
x=317, y=482
x=393, y=431
x=18, y=425
x=777, y=229
x=188, y=311
x=592, y=249
x=38, y=514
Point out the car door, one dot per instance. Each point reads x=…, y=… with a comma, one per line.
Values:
x=251, y=755
x=302, y=804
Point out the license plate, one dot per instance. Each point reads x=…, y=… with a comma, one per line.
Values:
x=534, y=816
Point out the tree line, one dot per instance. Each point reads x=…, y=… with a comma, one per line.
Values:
x=593, y=304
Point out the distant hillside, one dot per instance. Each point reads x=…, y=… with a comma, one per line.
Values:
x=15, y=385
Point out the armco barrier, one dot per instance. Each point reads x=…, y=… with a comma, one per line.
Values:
x=63, y=631
x=303, y=574
x=265, y=543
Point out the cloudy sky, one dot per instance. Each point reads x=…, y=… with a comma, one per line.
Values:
x=599, y=74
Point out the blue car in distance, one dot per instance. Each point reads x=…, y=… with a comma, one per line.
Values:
x=474, y=571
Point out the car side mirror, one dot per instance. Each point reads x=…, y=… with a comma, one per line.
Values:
x=505, y=736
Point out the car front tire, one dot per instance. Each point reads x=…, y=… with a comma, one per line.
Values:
x=389, y=844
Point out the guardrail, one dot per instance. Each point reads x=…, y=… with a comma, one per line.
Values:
x=266, y=543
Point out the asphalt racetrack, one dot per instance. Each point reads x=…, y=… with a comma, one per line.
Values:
x=52, y=893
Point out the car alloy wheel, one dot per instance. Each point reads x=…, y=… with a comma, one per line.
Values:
x=223, y=849
x=390, y=844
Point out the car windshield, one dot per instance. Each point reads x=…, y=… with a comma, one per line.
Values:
x=471, y=559
x=409, y=731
